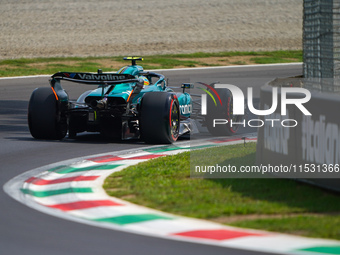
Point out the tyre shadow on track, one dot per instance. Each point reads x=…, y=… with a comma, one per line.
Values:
x=13, y=116
x=88, y=138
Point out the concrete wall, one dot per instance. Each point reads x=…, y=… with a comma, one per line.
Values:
x=315, y=139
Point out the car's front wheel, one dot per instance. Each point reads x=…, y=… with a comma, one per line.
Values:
x=224, y=113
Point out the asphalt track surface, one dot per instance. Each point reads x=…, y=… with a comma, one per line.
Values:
x=26, y=231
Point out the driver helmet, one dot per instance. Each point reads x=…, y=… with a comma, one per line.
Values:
x=146, y=80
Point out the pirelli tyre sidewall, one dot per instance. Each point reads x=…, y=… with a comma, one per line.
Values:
x=159, y=118
x=45, y=120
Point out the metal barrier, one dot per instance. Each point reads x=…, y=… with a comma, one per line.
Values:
x=321, y=44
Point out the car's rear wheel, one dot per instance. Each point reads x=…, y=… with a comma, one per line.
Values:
x=159, y=118
x=45, y=120
x=222, y=112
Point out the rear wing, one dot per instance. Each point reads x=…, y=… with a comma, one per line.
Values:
x=103, y=79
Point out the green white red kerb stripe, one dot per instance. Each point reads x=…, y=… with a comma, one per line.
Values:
x=73, y=190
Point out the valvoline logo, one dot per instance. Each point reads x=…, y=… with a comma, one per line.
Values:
x=70, y=75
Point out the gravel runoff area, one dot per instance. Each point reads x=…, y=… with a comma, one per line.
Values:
x=45, y=28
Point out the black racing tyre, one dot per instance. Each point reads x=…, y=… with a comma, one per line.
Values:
x=45, y=120
x=222, y=112
x=159, y=118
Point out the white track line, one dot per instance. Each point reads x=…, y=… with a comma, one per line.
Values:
x=175, y=69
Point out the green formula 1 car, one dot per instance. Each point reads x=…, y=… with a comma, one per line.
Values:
x=128, y=104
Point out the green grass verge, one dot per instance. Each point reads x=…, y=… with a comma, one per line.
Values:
x=20, y=67
x=272, y=204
